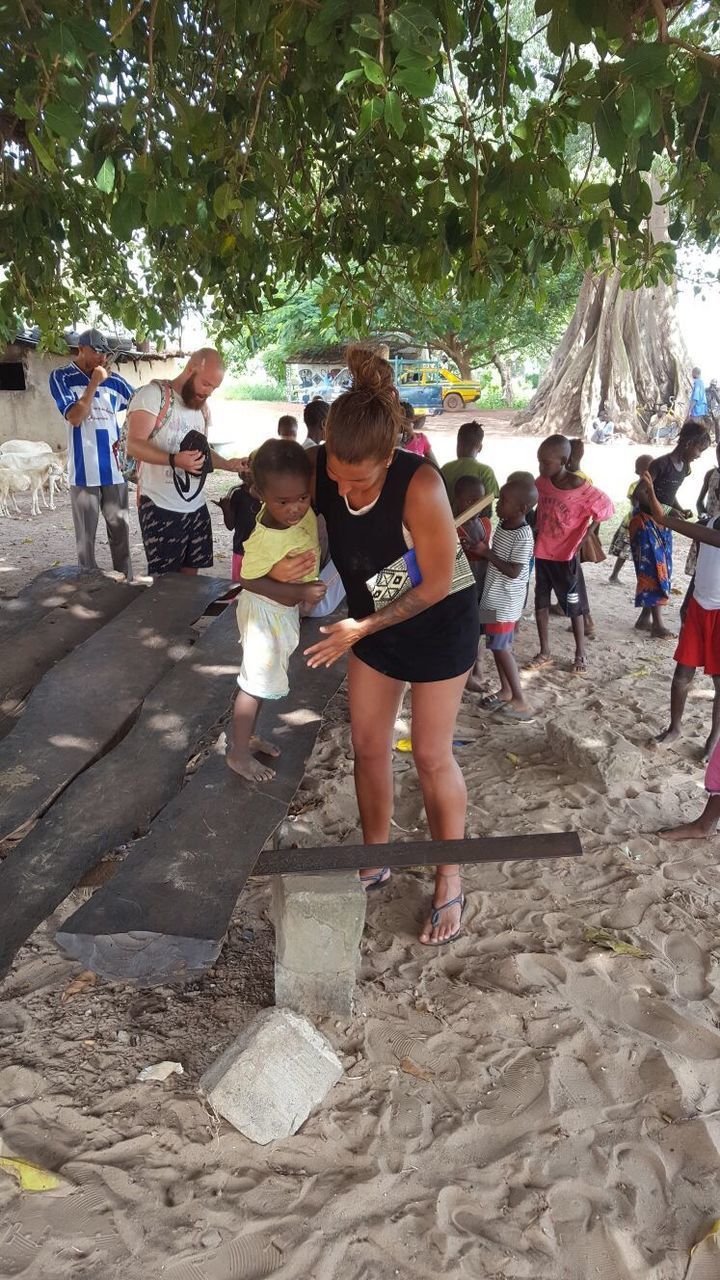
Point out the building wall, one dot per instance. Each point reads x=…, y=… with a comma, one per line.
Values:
x=33, y=415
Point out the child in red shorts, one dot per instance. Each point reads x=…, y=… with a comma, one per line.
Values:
x=698, y=644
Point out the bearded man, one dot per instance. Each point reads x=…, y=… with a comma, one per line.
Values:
x=173, y=512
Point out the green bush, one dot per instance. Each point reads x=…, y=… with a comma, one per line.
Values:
x=246, y=389
x=492, y=398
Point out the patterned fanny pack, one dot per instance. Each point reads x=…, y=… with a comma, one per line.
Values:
x=404, y=573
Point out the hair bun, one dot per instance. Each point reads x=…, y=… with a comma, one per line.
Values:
x=369, y=371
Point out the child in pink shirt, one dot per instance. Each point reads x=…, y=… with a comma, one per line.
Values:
x=567, y=506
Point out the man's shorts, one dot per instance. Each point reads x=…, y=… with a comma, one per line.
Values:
x=498, y=635
x=565, y=578
x=699, y=640
x=175, y=540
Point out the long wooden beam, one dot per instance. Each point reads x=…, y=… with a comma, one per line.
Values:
x=116, y=799
x=419, y=853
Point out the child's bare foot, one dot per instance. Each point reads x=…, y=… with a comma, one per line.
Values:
x=709, y=747
x=697, y=830
x=248, y=767
x=475, y=685
x=668, y=735
x=264, y=747
x=643, y=624
x=515, y=711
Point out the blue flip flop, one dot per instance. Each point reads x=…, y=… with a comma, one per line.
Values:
x=435, y=920
x=376, y=880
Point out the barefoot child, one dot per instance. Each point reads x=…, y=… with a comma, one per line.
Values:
x=705, y=826
x=650, y=543
x=503, y=599
x=473, y=535
x=620, y=545
x=567, y=506
x=270, y=623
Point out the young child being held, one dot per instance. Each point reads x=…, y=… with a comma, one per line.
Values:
x=567, y=506
x=270, y=624
x=287, y=427
x=473, y=535
x=503, y=599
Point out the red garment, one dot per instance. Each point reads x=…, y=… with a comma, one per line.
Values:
x=419, y=444
x=699, y=640
x=563, y=517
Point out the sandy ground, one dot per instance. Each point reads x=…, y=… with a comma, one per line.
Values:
x=556, y=1113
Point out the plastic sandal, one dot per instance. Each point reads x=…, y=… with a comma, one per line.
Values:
x=376, y=880
x=435, y=920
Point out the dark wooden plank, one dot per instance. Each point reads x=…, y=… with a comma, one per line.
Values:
x=88, y=701
x=164, y=914
x=420, y=853
x=116, y=799
x=33, y=647
x=49, y=589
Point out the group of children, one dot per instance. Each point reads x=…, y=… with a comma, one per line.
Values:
x=544, y=521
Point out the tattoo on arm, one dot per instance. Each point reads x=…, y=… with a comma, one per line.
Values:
x=405, y=607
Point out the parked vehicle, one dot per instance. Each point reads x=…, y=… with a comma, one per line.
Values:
x=454, y=393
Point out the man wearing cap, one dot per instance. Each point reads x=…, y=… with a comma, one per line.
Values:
x=90, y=398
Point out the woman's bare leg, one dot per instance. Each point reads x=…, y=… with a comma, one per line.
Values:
x=374, y=704
x=434, y=712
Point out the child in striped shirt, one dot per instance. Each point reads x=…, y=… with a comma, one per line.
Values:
x=509, y=557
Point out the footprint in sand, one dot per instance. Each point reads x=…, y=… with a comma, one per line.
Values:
x=691, y=964
x=244, y=1258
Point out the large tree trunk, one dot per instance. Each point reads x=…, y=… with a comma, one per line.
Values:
x=457, y=351
x=503, y=368
x=622, y=350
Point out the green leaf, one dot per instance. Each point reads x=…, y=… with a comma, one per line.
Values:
x=129, y=114
x=634, y=106
x=367, y=26
x=88, y=34
x=105, y=177
x=351, y=77
x=688, y=87
x=222, y=201
x=23, y=110
x=227, y=13
x=610, y=941
x=416, y=81
x=595, y=193
x=648, y=64
x=370, y=113
x=373, y=71
x=126, y=217
x=393, y=114
x=41, y=152
x=415, y=26
x=610, y=134
x=63, y=120
x=595, y=235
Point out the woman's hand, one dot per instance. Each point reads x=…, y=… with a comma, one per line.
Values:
x=341, y=636
x=294, y=566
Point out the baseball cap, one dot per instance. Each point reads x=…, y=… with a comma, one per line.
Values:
x=95, y=339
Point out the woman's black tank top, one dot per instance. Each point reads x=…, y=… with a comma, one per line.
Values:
x=436, y=645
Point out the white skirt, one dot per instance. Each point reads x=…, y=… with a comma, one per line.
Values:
x=269, y=634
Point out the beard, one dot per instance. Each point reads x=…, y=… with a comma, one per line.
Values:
x=190, y=396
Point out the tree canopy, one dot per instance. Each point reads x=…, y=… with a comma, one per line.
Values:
x=156, y=154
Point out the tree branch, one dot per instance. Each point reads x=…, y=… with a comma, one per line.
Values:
x=253, y=125
x=151, y=73
x=130, y=17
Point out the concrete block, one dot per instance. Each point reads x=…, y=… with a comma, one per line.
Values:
x=269, y=1080
x=319, y=921
x=589, y=744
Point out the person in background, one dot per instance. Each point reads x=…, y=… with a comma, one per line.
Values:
x=315, y=416
x=620, y=545
x=650, y=543
x=412, y=440
x=473, y=535
x=708, y=507
x=508, y=558
x=705, y=826
x=602, y=429
x=698, y=405
x=176, y=533
x=90, y=397
x=713, y=403
x=287, y=427
x=567, y=506
x=469, y=444
x=577, y=453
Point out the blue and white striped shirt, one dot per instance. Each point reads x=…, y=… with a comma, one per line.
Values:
x=91, y=454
